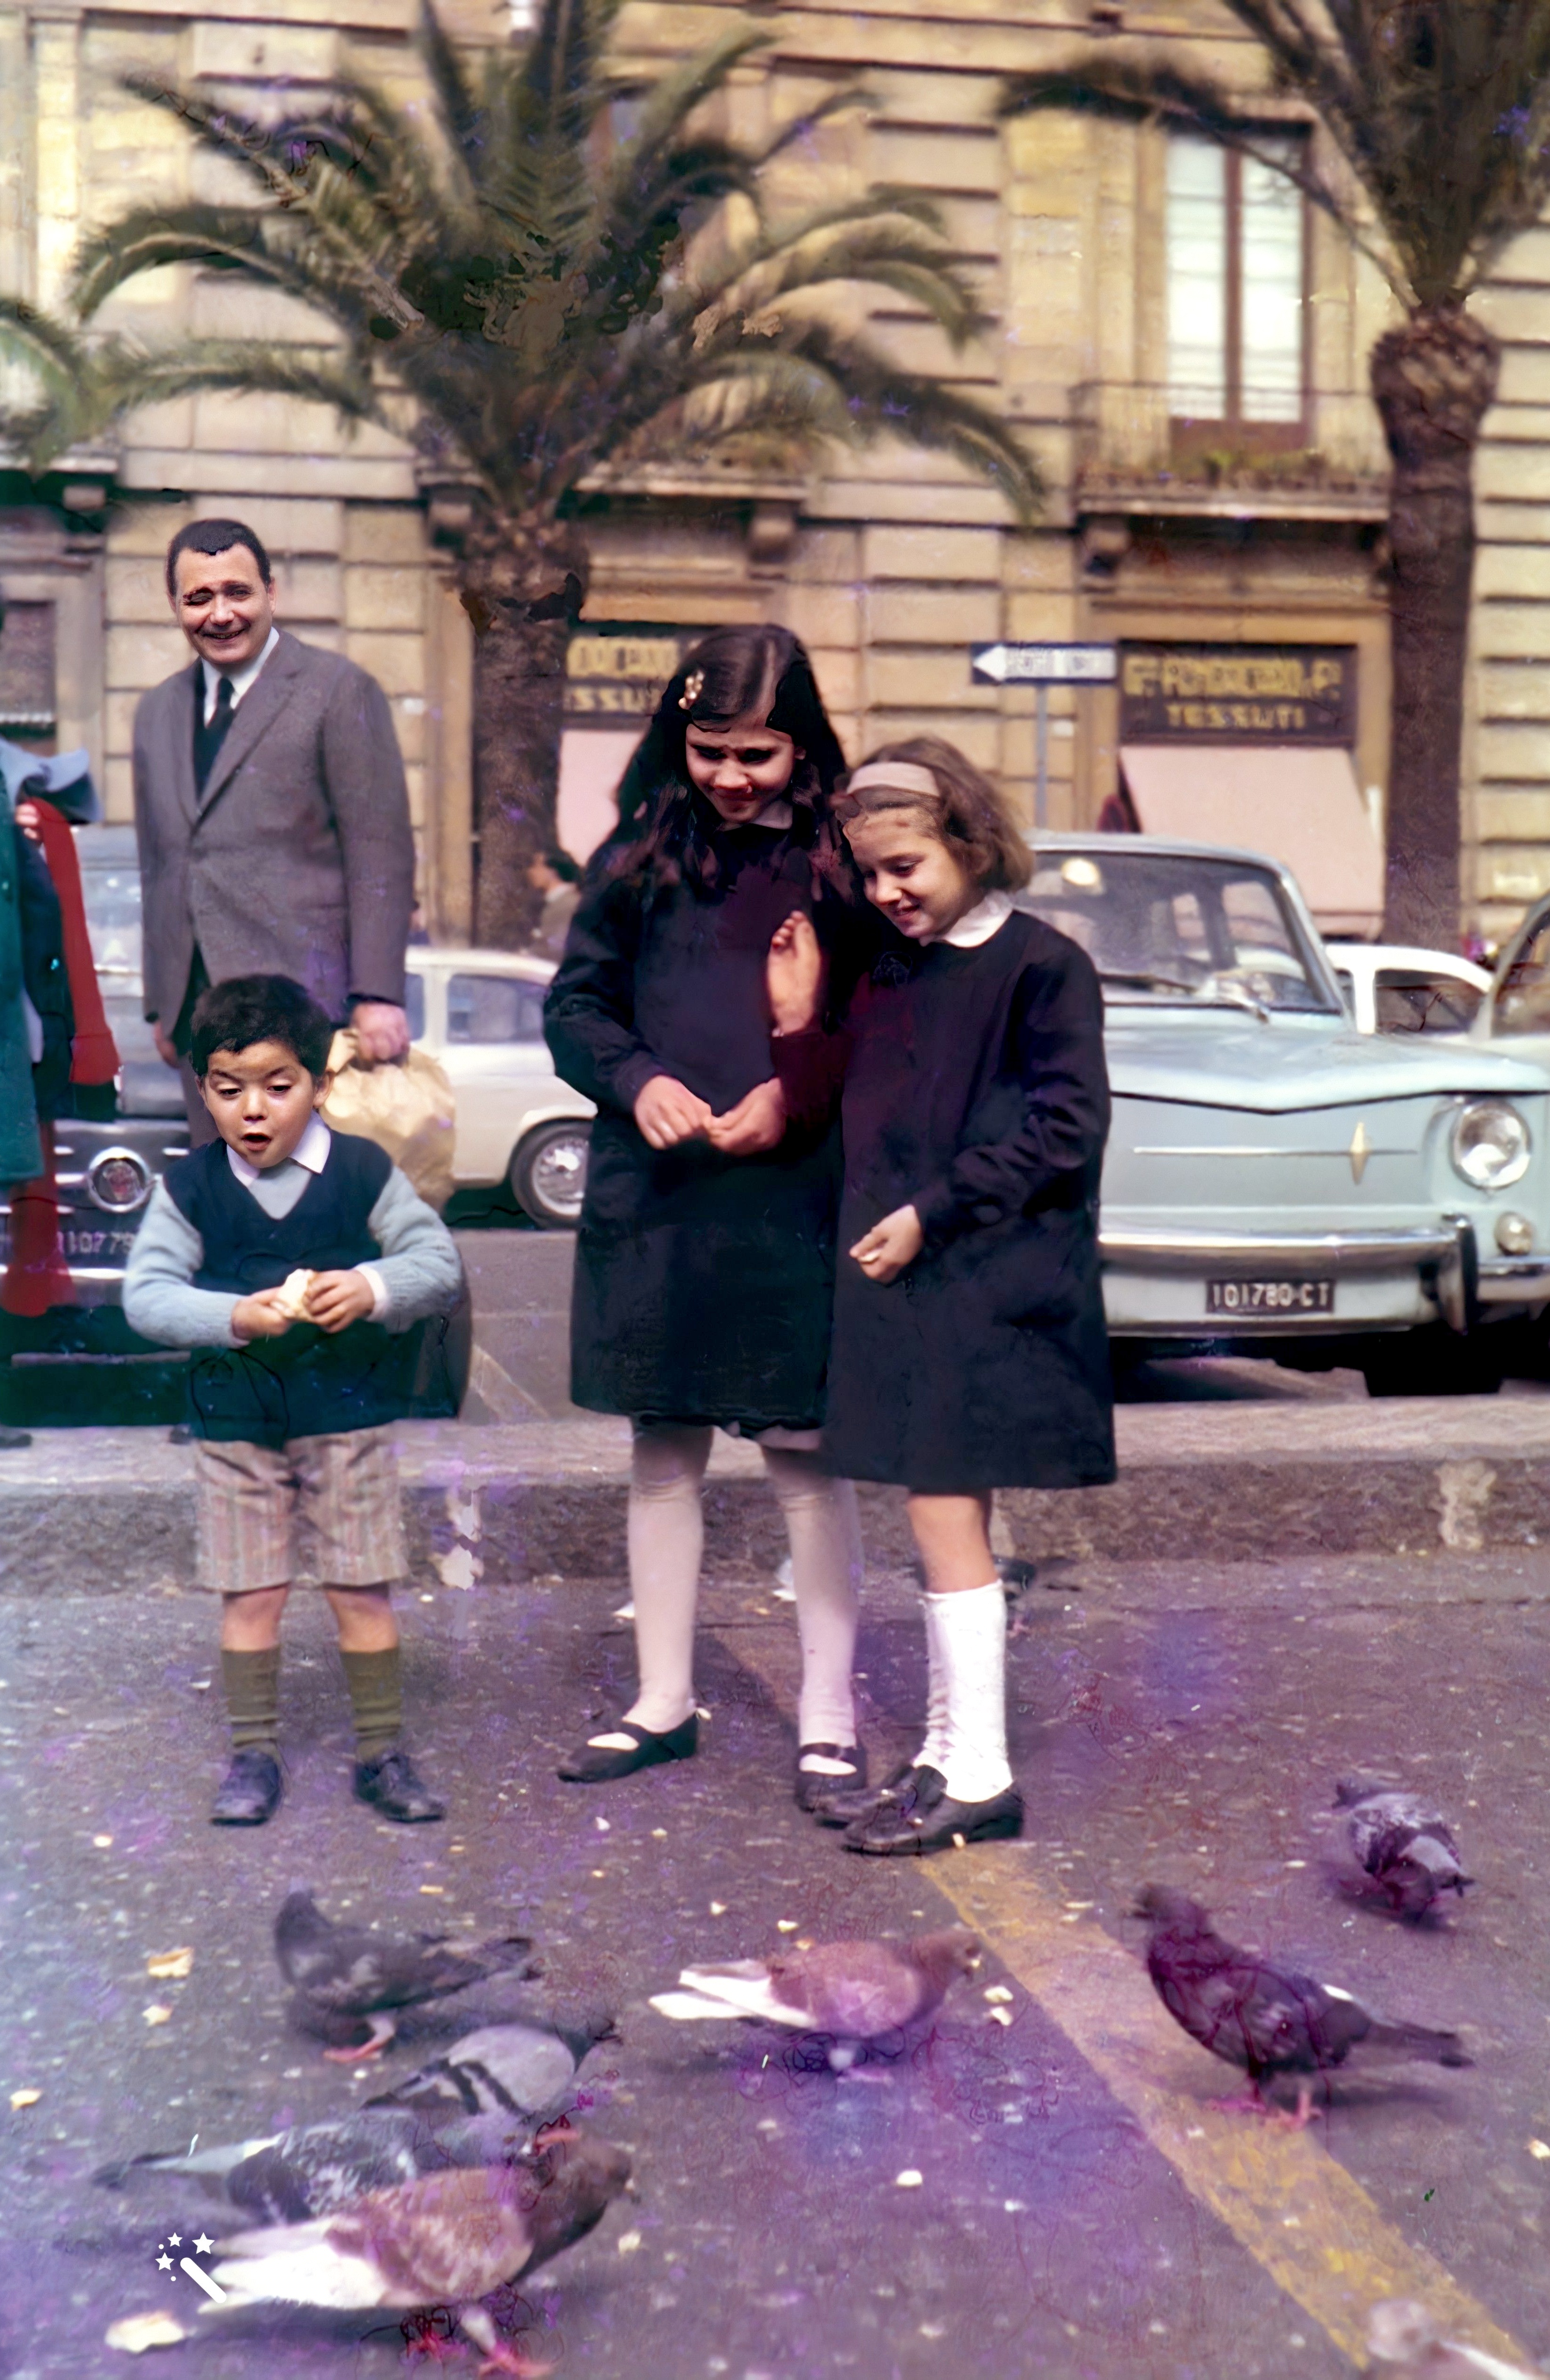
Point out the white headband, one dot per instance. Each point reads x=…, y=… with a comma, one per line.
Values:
x=895, y=777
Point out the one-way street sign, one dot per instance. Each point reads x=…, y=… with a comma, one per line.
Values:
x=1044, y=664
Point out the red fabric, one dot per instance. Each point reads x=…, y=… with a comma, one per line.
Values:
x=93, y=1053
x=37, y=1276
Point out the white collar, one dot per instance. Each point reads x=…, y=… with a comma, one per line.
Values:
x=977, y=925
x=241, y=679
x=776, y=813
x=311, y=1151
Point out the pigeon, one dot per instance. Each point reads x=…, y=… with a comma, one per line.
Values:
x=1406, y=1848
x=854, y=1991
x=447, y=2240
x=521, y=2068
x=317, y=2168
x=1404, y=2343
x=1264, y=2018
x=344, y=1974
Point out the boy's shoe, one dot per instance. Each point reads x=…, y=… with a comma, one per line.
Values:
x=389, y=1784
x=249, y=1791
x=940, y=1826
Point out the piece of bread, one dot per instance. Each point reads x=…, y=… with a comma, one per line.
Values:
x=294, y=1292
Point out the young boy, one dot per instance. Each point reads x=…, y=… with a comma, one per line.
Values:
x=277, y=1254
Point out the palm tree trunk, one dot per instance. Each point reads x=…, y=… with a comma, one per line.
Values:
x=524, y=584
x=1433, y=379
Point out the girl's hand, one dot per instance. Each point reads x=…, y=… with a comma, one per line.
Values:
x=884, y=1251
x=667, y=1113
x=755, y=1123
x=337, y=1299
x=793, y=975
x=260, y=1316
x=30, y=822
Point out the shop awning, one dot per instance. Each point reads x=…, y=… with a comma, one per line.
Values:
x=1298, y=803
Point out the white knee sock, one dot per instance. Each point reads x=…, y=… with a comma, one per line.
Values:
x=825, y=1532
x=933, y=1748
x=666, y=1536
x=967, y=1635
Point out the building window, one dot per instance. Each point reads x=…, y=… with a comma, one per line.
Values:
x=1236, y=270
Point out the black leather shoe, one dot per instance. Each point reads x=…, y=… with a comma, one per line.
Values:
x=940, y=1826
x=389, y=1784
x=597, y=1763
x=248, y=1794
x=909, y=1786
x=815, y=1785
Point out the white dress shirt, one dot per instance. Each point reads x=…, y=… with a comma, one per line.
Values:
x=241, y=679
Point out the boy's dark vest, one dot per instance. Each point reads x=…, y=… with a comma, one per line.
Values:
x=308, y=1381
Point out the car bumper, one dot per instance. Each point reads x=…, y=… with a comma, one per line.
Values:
x=1154, y=1282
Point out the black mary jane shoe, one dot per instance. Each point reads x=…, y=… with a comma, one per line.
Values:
x=248, y=1794
x=598, y=1763
x=389, y=1784
x=815, y=1785
x=944, y=1824
x=910, y=1786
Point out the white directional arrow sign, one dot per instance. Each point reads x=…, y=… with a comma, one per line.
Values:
x=1045, y=664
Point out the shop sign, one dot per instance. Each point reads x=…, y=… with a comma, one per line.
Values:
x=615, y=674
x=1236, y=693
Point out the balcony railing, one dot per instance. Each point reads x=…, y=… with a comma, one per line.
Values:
x=1133, y=447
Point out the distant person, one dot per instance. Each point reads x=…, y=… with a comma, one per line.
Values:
x=293, y=1381
x=271, y=812
x=556, y=875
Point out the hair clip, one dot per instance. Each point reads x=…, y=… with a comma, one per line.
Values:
x=694, y=687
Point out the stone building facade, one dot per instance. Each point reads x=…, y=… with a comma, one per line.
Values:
x=1185, y=354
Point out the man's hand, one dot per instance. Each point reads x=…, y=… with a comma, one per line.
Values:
x=793, y=975
x=162, y=1039
x=382, y=1032
x=755, y=1123
x=337, y=1299
x=668, y=1113
x=260, y=1316
x=884, y=1251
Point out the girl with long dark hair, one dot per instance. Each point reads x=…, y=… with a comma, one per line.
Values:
x=705, y=1261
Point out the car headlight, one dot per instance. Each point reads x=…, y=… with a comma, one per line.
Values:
x=1490, y=1145
x=118, y=1181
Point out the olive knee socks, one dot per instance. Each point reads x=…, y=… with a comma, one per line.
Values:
x=376, y=1699
x=251, y=1681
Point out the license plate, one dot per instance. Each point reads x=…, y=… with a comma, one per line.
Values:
x=1270, y=1297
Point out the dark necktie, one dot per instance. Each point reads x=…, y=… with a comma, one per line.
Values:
x=211, y=733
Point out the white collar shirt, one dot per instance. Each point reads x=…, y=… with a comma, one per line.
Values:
x=976, y=925
x=310, y=1152
x=241, y=679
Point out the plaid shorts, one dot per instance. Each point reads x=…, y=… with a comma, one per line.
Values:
x=344, y=1487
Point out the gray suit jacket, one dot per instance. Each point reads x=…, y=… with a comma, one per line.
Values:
x=298, y=858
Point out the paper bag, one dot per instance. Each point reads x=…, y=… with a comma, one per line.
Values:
x=408, y=1108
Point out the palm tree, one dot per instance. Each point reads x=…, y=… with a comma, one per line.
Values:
x=1440, y=111
x=544, y=276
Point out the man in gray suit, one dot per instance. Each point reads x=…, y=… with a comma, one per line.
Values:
x=271, y=813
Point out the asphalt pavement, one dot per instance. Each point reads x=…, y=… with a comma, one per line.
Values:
x=1081, y=2211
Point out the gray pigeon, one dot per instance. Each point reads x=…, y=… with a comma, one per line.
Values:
x=1406, y=1848
x=1265, y=2019
x=1404, y=2343
x=527, y=2070
x=447, y=2240
x=348, y=1980
x=854, y=1991
x=317, y=2168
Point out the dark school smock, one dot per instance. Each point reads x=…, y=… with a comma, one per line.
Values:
x=974, y=1089
x=703, y=1284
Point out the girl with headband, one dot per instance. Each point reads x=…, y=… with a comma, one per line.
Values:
x=705, y=1261
x=970, y=1351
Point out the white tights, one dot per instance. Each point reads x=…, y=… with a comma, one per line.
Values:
x=666, y=1538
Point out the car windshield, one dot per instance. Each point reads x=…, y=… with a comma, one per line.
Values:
x=1171, y=928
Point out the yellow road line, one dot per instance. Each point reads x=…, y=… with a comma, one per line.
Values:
x=1284, y=2198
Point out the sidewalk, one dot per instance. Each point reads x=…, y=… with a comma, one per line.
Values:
x=111, y=1511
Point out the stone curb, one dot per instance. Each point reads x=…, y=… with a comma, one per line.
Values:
x=113, y=1512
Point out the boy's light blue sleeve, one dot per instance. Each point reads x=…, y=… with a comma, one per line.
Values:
x=419, y=1269
x=158, y=1299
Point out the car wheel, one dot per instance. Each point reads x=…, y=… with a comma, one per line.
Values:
x=549, y=1174
x=1433, y=1363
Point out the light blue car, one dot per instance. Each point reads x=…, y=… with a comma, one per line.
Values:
x=1278, y=1184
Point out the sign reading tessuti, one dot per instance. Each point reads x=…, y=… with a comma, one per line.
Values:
x=1238, y=693
x=1045, y=664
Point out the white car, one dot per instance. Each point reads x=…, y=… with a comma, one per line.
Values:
x=480, y=1013
x=1390, y=988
